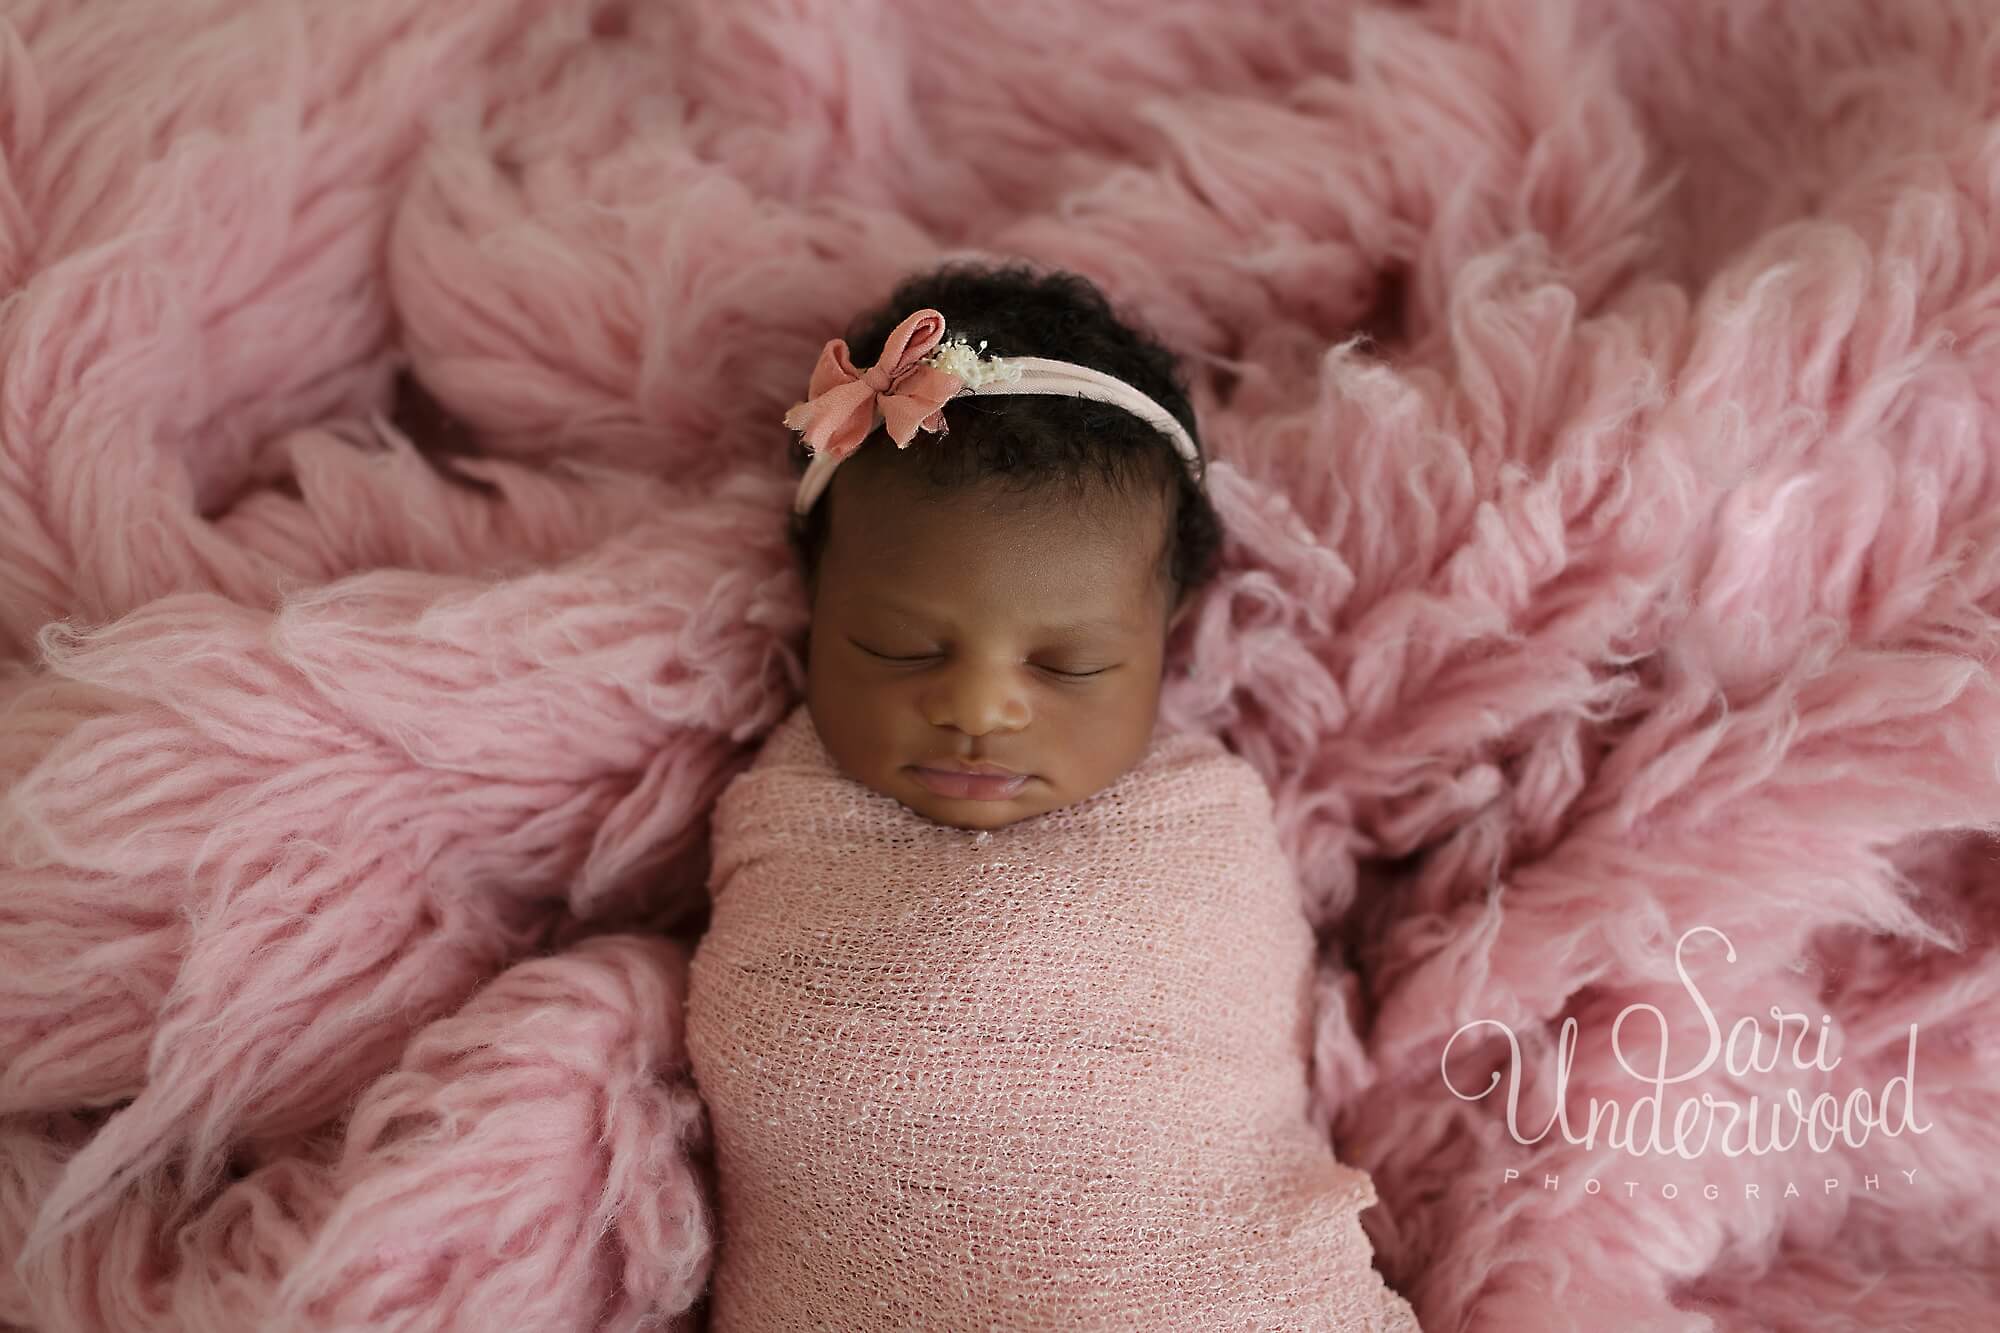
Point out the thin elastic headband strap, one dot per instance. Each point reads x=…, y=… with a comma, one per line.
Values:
x=1041, y=375
x=996, y=375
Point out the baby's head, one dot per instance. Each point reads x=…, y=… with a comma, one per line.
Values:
x=1004, y=592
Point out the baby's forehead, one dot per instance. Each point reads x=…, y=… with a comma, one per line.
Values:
x=995, y=549
x=1062, y=558
x=1020, y=585
x=1104, y=611
x=1111, y=596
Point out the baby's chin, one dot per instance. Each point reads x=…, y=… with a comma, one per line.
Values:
x=984, y=819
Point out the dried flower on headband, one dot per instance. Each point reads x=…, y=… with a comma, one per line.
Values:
x=959, y=358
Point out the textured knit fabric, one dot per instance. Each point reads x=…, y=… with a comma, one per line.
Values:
x=1050, y=1076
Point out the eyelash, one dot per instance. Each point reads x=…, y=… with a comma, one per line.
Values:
x=905, y=661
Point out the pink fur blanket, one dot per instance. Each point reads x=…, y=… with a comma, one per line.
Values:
x=1049, y=1077
x=1604, y=400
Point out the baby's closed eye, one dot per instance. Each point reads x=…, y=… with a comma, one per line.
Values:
x=1071, y=668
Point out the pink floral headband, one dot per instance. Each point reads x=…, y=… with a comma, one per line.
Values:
x=917, y=374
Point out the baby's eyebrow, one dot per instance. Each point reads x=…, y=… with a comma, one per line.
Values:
x=1111, y=624
x=1086, y=625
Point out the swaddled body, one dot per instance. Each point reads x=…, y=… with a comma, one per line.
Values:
x=1048, y=1076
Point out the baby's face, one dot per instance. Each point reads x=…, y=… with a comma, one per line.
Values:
x=1016, y=630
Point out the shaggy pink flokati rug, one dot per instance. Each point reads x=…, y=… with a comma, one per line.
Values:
x=1606, y=400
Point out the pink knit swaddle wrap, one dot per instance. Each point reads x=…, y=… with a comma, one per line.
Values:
x=1050, y=1076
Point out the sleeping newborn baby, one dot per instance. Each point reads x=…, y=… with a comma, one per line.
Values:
x=1002, y=1018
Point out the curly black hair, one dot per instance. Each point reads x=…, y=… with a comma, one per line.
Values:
x=1027, y=441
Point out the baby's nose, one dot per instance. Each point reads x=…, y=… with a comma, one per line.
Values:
x=980, y=698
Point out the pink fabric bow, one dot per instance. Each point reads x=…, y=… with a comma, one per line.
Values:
x=842, y=402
